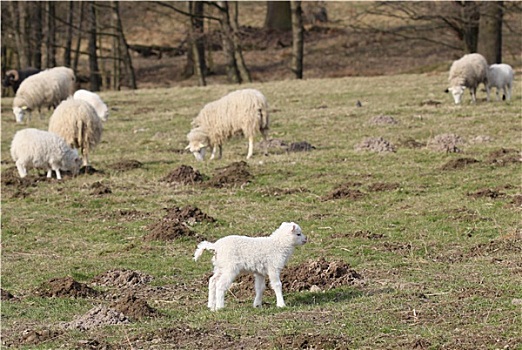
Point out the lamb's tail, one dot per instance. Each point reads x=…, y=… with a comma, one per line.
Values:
x=201, y=247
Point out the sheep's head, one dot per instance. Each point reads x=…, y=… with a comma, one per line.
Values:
x=292, y=232
x=11, y=77
x=198, y=142
x=72, y=162
x=19, y=113
x=457, y=92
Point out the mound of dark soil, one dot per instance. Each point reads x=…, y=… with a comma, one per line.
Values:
x=188, y=214
x=274, y=146
x=375, y=144
x=98, y=188
x=312, y=341
x=133, y=308
x=185, y=175
x=383, y=186
x=511, y=243
x=301, y=146
x=89, y=170
x=486, y=193
x=448, y=143
x=383, y=120
x=65, y=287
x=125, y=165
x=504, y=156
x=344, y=191
x=98, y=316
x=410, y=142
x=235, y=174
x=35, y=337
x=458, y=163
x=430, y=103
x=10, y=177
x=6, y=295
x=122, y=278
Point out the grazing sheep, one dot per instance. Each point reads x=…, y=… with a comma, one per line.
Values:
x=242, y=111
x=45, y=89
x=468, y=72
x=13, y=78
x=95, y=101
x=501, y=76
x=78, y=123
x=261, y=256
x=33, y=148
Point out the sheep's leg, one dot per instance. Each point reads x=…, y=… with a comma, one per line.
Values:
x=277, y=286
x=21, y=170
x=212, y=292
x=85, y=157
x=214, y=150
x=250, y=147
x=265, y=138
x=472, y=91
x=509, y=87
x=487, y=92
x=222, y=284
x=260, y=288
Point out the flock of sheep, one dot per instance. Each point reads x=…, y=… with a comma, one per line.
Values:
x=76, y=123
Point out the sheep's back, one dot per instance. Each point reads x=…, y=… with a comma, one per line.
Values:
x=470, y=70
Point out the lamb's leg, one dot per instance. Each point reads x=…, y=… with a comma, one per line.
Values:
x=222, y=284
x=260, y=288
x=498, y=94
x=212, y=292
x=508, y=96
x=250, y=147
x=277, y=286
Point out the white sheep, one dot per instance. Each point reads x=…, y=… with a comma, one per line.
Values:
x=33, y=148
x=78, y=123
x=501, y=76
x=95, y=100
x=240, y=112
x=45, y=89
x=261, y=256
x=468, y=72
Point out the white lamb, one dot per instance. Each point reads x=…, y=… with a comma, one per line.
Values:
x=468, y=72
x=501, y=76
x=33, y=148
x=78, y=123
x=261, y=256
x=95, y=100
x=45, y=89
x=240, y=112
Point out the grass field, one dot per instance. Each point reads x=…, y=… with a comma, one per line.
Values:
x=434, y=236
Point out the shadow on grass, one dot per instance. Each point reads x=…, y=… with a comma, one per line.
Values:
x=330, y=296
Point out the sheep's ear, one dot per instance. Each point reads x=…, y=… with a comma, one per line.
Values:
x=446, y=91
x=188, y=147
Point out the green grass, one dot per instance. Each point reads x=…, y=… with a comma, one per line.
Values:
x=445, y=271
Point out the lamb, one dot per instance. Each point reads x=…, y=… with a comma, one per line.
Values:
x=13, y=78
x=78, y=123
x=258, y=255
x=45, y=89
x=33, y=148
x=468, y=72
x=95, y=101
x=242, y=111
x=501, y=76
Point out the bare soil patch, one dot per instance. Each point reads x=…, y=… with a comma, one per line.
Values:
x=185, y=175
x=65, y=287
x=448, y=143
x=344, y=191
x=459, y=163
x=89, y=170
x=410, y=142
x=235, y=174
x=99, y=188
x=312, y=341
x=383, y=120
x=133, y=307
x=177, y=223
x=35, y=337
x=98, y=316
x=278, y=146
x=505, y=156
x=359, y=234
x=6, y=295
x=10, y=177
x=486, y=193
x=301, y=146
x=375, y=144
x=383, y=186
x=122, y=278
x=126, y=165
x=278, y=192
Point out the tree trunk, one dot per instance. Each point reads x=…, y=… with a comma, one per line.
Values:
x=124, y=47
x=470, y=16
x=238, y=50
x=68, y=35
x=19, y=13
x=228, y=44
x=116, y=50
x=490, y=31
x=94, y=72
x=297, y=39
x=78, y=43
x=196, y=58
x=51, y=35
x=38, y=35
x=278, y=15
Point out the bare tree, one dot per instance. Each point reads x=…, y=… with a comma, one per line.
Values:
x=238, y=50
x=68, y=35
x=94, y=72
x=490, y=31
x=297, y=39
x=278, y=15
x=19, y=13
x=79, y=37
x=38, y=35
x=197, y=41
x=228, y=43
x=123, y=46
x=50, y=41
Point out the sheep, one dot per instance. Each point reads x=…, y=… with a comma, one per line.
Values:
x=33, y=148
x=258, y=255
x=45, y=89
x=468, y=72
x=13, y=78
x=242, y=111
x=501, y=76
x=95, y=101
x=78, y=123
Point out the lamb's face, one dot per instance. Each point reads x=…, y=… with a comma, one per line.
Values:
x=72, y=162
x=294, y=230
x=457, y=92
